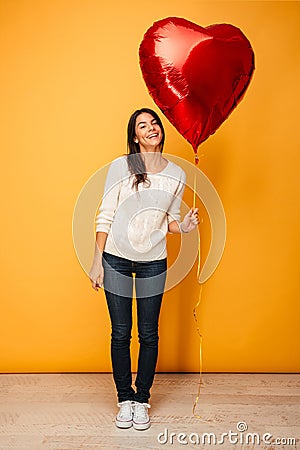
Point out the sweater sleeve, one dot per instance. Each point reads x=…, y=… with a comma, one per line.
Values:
x=110, y=197
x=173, y=212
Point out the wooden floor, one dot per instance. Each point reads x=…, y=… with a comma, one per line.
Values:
x=76, y=411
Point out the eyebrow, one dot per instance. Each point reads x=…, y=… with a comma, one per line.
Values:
x=145, y=122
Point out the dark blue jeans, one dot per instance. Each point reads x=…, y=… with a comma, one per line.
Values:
x=150, y=277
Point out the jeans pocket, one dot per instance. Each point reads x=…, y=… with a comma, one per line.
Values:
x=117, y=276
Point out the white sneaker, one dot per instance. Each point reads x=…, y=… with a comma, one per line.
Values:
x=124, y=416
x=141, y=420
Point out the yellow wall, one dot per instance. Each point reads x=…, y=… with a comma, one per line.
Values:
x=69, y=80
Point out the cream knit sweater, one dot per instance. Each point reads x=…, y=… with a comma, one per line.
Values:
x=137, y=221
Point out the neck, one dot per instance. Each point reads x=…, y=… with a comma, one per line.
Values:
x=151, y=156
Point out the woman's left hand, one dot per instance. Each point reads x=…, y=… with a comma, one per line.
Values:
x=190, y=220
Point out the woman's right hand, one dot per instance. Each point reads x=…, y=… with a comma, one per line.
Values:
x=96, y=274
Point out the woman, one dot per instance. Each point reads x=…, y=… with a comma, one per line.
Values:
x=141, y=203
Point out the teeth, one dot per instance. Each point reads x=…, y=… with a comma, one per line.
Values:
x=152, y=135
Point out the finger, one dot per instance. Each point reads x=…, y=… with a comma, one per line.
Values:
x=94, y=286
x=99, y=284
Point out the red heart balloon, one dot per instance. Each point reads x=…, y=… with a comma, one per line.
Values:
x=196, y=75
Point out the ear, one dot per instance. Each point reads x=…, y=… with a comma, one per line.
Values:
x=136, y=140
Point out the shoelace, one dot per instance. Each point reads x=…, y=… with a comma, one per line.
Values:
x=140, y=409
x=126, y=408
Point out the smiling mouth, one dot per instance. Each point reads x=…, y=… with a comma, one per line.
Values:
x=154, y=135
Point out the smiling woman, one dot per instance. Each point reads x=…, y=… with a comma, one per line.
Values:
x=146, y=137
x=148, y=132
x=131, y=227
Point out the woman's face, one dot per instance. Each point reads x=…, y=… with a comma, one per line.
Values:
x=147, y=131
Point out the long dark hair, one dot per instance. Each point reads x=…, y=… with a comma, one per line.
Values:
x=135, y=162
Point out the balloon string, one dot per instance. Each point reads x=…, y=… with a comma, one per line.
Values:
x=194, y=194
x=196, y=319
x=200, y=354
x=194, y=205
x=195, y=313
